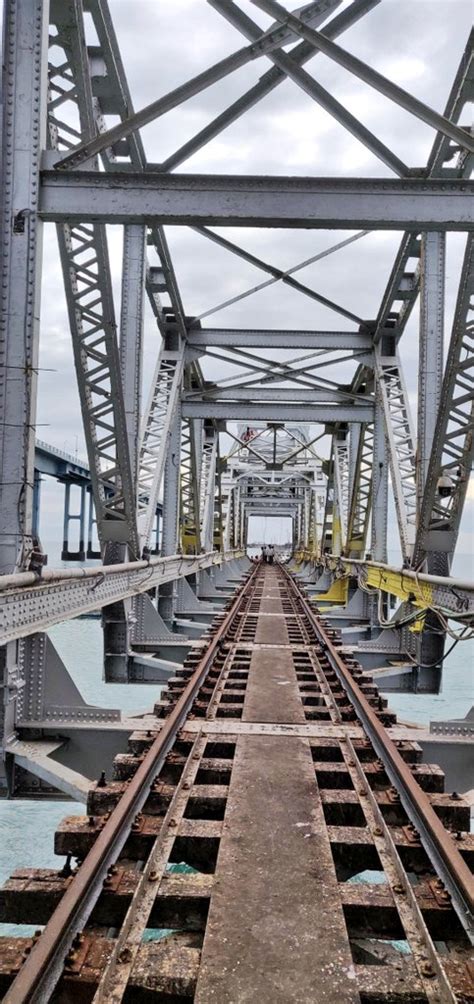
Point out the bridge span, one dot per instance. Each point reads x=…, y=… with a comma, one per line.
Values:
x=268, y=830
x=270, y=776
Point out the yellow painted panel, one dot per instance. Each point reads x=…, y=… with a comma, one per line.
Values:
x=337, y=592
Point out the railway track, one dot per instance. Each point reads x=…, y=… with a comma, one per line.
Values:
x=267, y=838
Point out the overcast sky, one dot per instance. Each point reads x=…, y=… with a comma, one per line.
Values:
x=416, y=43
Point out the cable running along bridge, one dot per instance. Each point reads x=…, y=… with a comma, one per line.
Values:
x=268, y=830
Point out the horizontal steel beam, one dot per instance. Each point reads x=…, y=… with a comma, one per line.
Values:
x=293, y=395
x=238, y=411
x=276, y=511
x=220, y=200
x=29, y=603
x=254, y=339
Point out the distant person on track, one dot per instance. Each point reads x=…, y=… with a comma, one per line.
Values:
x=270, y=554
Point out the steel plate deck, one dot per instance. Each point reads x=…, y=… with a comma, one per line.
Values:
x=275, y=890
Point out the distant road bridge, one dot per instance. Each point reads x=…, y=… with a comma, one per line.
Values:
x=71, y=471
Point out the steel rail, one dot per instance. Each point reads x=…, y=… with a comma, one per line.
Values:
x=401, y=888
x=437, y=841
x=40, y=972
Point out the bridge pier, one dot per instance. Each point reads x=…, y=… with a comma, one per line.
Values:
x=67, y=554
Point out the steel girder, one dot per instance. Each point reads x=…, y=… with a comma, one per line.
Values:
x=239, y=411
x=86, y=271
x=329, y=507
x=111, y=92
x=24, y=125
x=365, y=72
x=361, y=490
x=315, y=203
x=290, y=395
x=29, y=608
x=404, y=282
x=267, y=83
x=453, y=441
x=341, y=483
x=112, y=96
x=24, y=90
x=131, y=334
x=430, y=367
x=190, y=519
x=310, y=86
x=401, y=444
x=198, y=338
x=267, y=41
x=89, y=294
x=228, y=515
x=306, y=518
x=156, y=430
x=159, y=279
x=380, y=465
x=171, y=514
x=312, y=534
x=207, y=488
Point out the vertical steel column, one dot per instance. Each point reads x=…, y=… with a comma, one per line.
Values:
x=24, y=89
x=329, y=508
x=131, y=333
x=355, y=431
x=430, y=369
x=430, y=380
x=24, y=135
x=169, y=536
x=237, y=517
x=241, y=524
x=379, y=482
x=116, y=623
x=341, y=484
x=207, y=492
x=228, y=536
x=380, y=465
x=308, y=504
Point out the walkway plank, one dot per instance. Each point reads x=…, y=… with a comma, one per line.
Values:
x=275, y=931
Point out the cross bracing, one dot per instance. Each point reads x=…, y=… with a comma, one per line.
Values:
x=250, y=362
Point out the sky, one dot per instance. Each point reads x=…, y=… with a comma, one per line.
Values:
x=416, y=43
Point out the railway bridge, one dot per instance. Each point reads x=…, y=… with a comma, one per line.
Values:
x=269, y=828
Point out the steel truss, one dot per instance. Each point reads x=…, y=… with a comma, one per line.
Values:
x=86, y=271
x=95, y=173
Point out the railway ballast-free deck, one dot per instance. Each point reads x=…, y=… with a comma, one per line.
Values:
x=264, y=840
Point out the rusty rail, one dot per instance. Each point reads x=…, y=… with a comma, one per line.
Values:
x=193, y=708
x=438, y=842
x=43, y=966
